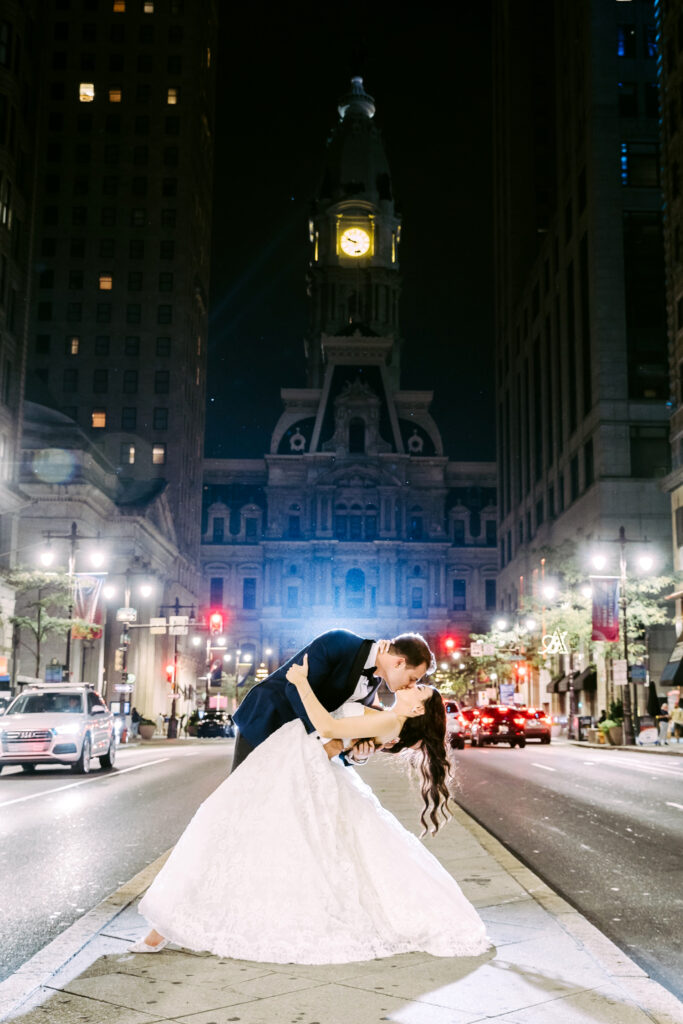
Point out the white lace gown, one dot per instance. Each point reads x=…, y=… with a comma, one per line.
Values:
x=294, y=860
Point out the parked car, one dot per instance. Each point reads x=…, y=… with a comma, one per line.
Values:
x=538, y=724
x=468, y=716
x=455, y=727
x=215, y=723
x=498, y=723
x=58, y=724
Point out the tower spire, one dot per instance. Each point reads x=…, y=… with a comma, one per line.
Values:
x=357, y=102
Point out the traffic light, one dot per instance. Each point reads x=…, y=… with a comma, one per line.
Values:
x=522, y=670
x=216, y=673
x=215, y=623
x=170, y=673
x=118, y=661
x=450, y=644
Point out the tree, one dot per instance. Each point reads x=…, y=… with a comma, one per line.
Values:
x=39, y=596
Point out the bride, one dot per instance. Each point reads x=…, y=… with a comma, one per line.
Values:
x=294, y=860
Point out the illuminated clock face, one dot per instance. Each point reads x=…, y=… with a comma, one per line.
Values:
x=355, y=242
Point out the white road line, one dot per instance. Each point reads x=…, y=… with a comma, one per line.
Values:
x=671, y=773
x=84, y=782
x=543, y=766
x=670, y=804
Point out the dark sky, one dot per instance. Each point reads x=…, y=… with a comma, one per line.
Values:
x=280, y=75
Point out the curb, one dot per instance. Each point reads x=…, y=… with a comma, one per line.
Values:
x=660, y=751
x=37, y=971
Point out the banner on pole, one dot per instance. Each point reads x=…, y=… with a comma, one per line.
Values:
x=87, y=608
x=605, y=608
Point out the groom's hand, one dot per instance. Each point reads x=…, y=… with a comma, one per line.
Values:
x=361, y=751
x=333, y=747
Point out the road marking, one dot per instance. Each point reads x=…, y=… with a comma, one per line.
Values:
x=670, y=804
x=543, y=766
x=651, y=770
x=84, y=782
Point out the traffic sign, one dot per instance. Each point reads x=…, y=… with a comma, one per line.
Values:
x=123, y=688
x=126, y=614
x=157, y=626
x=476, y=650
x=638, y=673
x=178, y=625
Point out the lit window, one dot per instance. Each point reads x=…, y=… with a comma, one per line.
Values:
x=172, y=97
x=74, y=345
x=114, y=95
x=148, y=7
x=106, y=282
x=208, y=56
x=86, y=92
x=158, y=454
x=98, y=418
x=127, y=453
x=119, y=6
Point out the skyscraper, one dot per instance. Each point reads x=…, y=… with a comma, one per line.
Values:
x=581, y=349
x=123, y=216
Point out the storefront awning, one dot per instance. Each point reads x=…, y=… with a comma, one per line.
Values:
x=553, y=684
x=586, y=680
x=673, y=670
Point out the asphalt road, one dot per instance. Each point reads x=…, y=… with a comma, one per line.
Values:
x=602, y=828
x=67, y=841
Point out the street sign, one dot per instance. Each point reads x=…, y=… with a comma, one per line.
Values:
x=131, y=677
x=157, y=626
x=489, y=650
x=507, y=693
x=178, y=625
x=126, y=614
x=620, y=672
x=476, y=650
x=123, y=688
x=638, y=673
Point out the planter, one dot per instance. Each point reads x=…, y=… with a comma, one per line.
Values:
x=616, y=735
x=191, y=730
x=146, y=731
x=592, y=735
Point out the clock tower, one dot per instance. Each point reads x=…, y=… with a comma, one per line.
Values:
x=355, y=231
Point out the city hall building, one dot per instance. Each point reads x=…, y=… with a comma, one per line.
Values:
x=355, y=517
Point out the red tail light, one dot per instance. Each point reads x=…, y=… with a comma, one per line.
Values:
x=486, y=720
x=547, y=720
x=519, y=721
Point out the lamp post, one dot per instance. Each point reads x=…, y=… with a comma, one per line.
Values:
x=630, y=703
x=47, y=557
x=177, y=607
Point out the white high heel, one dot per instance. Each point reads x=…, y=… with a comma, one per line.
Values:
x=144, y=947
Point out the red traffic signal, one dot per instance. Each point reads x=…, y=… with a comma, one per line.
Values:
x=449, y=644
x=215, y=623
x=521, y=669
x=170, y=673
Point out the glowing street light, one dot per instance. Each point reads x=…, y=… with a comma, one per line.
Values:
x=501, y=624
x=599, y=562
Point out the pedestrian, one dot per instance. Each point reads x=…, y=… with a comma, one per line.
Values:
x=603, y=716
x=662, y=722
x=135, y=717
x=349, y=882
x=160, y=723
x=677, y=722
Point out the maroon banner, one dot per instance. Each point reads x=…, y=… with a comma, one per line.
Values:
x=87, y=607
x=605, y=608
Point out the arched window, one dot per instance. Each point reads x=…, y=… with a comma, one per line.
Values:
x=357, y=436
x=355, y=588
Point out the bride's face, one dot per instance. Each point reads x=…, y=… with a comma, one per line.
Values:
x=411, y=702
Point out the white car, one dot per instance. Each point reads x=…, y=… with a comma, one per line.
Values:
x=59, y=724
x=455, y=730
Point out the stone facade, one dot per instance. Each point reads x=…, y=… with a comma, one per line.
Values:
x=355, y=517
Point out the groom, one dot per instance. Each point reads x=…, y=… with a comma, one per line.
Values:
x=342, y=667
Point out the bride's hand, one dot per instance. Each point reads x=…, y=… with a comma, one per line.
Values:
x=298, y=674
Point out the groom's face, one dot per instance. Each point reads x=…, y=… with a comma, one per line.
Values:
x=398, y=675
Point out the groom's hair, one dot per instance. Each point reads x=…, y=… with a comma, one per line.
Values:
x=415, y=649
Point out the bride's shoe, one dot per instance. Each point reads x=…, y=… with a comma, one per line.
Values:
x=144, y=947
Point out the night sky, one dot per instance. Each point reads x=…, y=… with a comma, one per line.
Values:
x=279, y=78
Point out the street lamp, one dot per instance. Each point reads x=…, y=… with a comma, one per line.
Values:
x=645, y=562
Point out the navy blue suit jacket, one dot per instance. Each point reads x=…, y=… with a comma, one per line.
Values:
x=335, y=662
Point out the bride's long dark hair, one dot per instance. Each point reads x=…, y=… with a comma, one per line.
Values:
x=427, y=732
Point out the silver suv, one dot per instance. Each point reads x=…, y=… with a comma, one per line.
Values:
x=58, y=724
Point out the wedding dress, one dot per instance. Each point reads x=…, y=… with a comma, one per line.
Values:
x=294, y=860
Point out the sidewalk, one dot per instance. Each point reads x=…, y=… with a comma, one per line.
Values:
x=548, y=965
x=673, y=749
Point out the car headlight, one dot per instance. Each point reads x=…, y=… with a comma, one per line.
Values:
x=68, y=729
